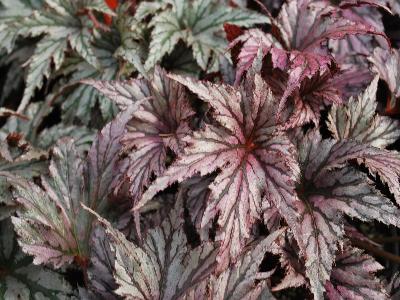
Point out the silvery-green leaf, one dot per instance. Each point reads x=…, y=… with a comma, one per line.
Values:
x=199, y=24
x=358, y=120
x=12, y=13
x=164, y=267
x=51, y=225
x=17, y=158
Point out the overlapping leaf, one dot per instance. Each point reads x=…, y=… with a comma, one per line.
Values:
x=387, y=64
x=52, y=225
x=195, y=194
x=101, y=266
x=44, y=139
x=160, y=124
x=358, y=120
x=59, y=21
x=287, y=249
x=12, y=13
x=303, y=27
x=253, y=157
x=393, y=287
x=79, y=105
x=243, y=280
x=353, y=276
x=325, y=198
x=198, y=23
x=20, y=279
x=348, y=50
x=164, y=267
x=17, y=158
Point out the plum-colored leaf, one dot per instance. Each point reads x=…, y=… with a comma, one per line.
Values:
x=305, y=25
x=348, y=50
x=353, y=277
x=101, y=266
x=304, y=28
x=253, y=157
x=387, y=64
x=196, y=193
x=352, y=3
x=161, y=123
x=287, y=249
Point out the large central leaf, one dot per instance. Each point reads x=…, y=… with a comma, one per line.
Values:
x=253, y=157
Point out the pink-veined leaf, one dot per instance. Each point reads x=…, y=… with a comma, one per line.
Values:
x=348, y=50
x=316, y=93
x=304, y=26
x=45, y=226
x=159, y=124
x=326, y=198
x=353, y=277
x=51, y=224
x=252, y=156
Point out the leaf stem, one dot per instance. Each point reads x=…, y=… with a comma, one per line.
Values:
x=376, y=251
x=387, y=240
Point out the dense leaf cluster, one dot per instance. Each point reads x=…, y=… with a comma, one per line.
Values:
x=198, y=149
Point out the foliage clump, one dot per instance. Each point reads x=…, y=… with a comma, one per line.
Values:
x=201, y=149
